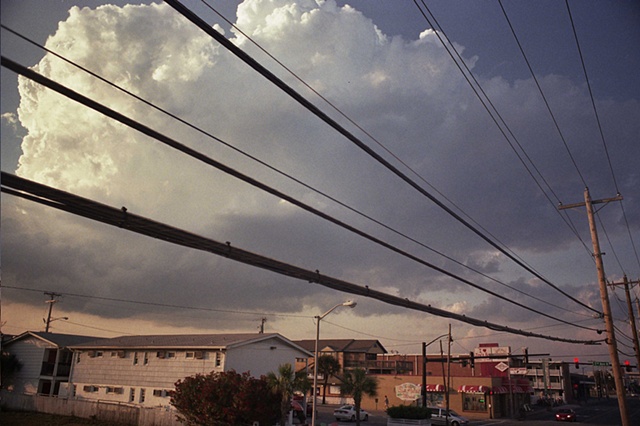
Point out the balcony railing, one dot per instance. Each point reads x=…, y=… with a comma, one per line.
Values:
x=382, y=367
x=48, y=368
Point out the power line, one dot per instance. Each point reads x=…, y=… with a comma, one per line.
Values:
x=166, y=305
x=600, y=130
x=121, y=218
x=485, y=101
x=196, y=20
x=211, y=162
x=544, y=98
x=200, y=130
x=593, y=103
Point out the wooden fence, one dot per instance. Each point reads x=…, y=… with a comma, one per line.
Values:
x=111, y=412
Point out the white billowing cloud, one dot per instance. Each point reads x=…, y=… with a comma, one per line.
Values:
x=11, y=119
x=72, y=147
x=407, y=93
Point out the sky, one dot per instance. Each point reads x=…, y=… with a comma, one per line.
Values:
x=383, y=75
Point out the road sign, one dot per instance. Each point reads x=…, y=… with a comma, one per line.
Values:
x=502, y=367
x=601, y=363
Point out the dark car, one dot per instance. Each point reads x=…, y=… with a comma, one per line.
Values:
x=566, y=415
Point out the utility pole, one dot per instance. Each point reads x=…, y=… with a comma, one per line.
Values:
x=606, y=307
x=449, y=340
x=632, y=318
x=423, y=391
x=51, y=301
x=262, y=321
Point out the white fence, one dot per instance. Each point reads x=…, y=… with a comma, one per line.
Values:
x=99, y=410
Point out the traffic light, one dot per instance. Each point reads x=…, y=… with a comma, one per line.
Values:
x=627, y=365
x=577, y=362
x=526, y=356
x=472, y=359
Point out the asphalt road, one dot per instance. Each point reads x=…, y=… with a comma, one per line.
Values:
x=595, y=412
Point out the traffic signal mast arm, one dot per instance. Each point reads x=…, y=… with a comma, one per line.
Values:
x=472, y=358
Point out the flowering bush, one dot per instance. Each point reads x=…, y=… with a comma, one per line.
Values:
x=225, y=398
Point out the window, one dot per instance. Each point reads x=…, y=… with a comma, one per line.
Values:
x=474, y=402
x=171, y=354
x=199, y=355
x=111, y=389
x=74, y=390
x=90, y=388
x=160, y=393
x=99, y=354
x=218, y=359
x=114, y=354
x=135, y=358
x=142, y=395
x=191, y=355
x=146, y=358
x=132, y=394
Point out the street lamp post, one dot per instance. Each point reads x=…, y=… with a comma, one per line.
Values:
x=423, y=391
x=50, y=320
x=348, y=303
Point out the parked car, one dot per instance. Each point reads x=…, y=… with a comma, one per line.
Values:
x=439, y=417
x=348, y=412
x=566, y=415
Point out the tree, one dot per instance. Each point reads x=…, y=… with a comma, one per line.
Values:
x=285, y=383
x=327, y=366
x=9, y=365
x=357, y=384
x=224, y=398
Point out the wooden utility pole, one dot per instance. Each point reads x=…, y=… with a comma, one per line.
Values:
x=606, y=307
x=50, y=302
x=632, y=318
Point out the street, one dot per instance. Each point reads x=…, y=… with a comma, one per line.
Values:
x=595, y=412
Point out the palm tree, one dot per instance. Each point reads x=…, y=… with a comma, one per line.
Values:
x=327, y=366
x=286, y=382
x=357, y=384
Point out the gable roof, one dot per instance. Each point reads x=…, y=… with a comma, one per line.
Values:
x=59, y=340
x=343, y=345
x=185, y=341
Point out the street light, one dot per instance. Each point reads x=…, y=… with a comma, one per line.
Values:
x=348, y=303
x=423, y=391
x=49, y=320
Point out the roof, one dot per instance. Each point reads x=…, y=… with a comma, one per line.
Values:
x=59, y=340
x=183, y=341
x=343, y=345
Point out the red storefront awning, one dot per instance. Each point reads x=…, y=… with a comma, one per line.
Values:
x=473, y=389
x=514, y=389
x=434, y=388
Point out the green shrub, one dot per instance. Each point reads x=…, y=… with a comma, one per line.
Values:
x=408, y=412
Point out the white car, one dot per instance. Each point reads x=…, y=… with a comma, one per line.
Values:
x=348, y=413
x=439, y=417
